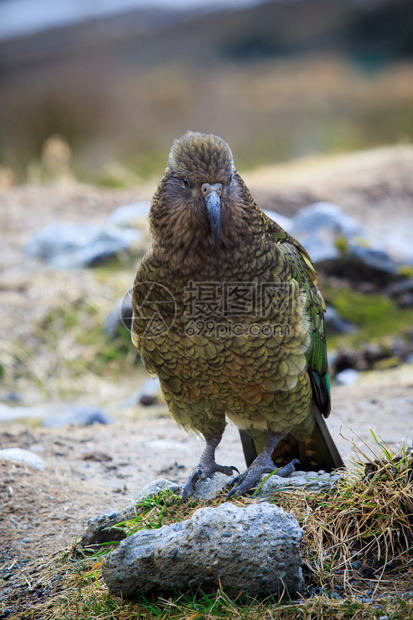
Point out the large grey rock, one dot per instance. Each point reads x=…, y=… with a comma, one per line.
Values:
x=340, y=246
x=319, y=225
x=253, y=549
x=335, y=324
x=373, y=259
x=209, y=488
x=315, y=481
x=100, y=529
x=66, y=245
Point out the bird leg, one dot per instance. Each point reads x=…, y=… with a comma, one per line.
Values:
x=263, y=464
x=207, y=467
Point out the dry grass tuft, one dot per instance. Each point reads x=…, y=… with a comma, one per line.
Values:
x=363, y=529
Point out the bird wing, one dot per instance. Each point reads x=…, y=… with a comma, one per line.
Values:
x=304, y=273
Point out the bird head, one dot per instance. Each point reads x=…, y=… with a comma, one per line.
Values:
x=197, y=183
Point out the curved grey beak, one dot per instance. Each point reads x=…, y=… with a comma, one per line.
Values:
x=212, y=195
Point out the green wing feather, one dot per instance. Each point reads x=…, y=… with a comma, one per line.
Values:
x=305, y=274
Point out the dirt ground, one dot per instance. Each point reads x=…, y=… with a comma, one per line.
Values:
x=97, y=469
x=100, y=468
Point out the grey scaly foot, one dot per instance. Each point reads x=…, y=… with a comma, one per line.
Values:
x=249, y=479
x=202, y=472
x=207, y=467
x=263, y=464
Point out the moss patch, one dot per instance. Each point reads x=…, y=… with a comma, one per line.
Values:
x=377, y=316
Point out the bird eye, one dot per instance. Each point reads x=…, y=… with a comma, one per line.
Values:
x=185, y=183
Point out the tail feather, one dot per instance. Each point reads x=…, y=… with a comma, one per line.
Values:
x=314, y=453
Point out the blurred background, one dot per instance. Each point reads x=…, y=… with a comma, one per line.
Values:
x=315, y=98
x=119, y=80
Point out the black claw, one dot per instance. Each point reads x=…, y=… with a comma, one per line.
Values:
x=231, y=494
x=206, y=470
x=185, y=494
x=201, y=474
x=237, y=480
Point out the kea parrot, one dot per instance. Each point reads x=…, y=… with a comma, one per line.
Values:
x=228, y=315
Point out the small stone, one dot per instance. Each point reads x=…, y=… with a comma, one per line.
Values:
x=11, y=414
x=372, y=352
x=366, y=599
x=132, y=215
x=80, y=415
x=18, y=455
x=12, y=397
x=150, y=394
x=348, y=377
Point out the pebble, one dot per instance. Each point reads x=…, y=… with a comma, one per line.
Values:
x=348, y=377
x=131, y=215
x=80, y=415
x=11, y=414
x=150, y=394
x=18, y=455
